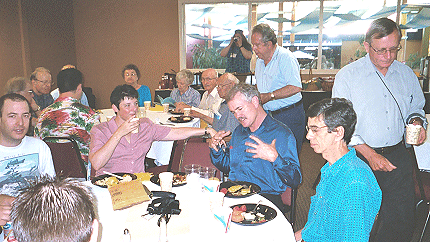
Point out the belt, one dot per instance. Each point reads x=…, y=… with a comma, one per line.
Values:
x=287, y=107
x=387, y=149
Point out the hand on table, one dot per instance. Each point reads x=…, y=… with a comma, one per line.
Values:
x=262, y=150
x=217, y=140
x=5, y=207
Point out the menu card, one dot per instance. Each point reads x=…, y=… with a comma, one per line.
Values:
x=127, y=194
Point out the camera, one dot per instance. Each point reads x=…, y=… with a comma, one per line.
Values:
x=236, y=39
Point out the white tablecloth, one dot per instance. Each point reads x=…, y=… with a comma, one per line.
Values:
x=422, y=152
x=160, y=150
x=195, y=223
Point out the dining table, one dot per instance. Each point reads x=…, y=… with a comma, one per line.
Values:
x=160, y=151
x=195, y=222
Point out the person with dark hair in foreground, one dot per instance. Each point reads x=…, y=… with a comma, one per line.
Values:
x=55, y=210
x=348, y=197
x=262, y=150
x=115, y=148
x=386, y=95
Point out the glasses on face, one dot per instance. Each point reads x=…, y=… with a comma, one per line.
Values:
x=45, y=83
x=384, y=51
x=223, y=85
x=30, y=92
x=205, y=79
x=314, y=128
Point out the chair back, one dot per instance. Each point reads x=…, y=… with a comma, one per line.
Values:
x=66, y=157
x=197, y=151
x=175, y=159
x=289, y=200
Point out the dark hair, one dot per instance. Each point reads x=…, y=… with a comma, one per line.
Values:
x=14, y=97
x=120, y=92
x=247, y=90
x=245, y=42
x=335, y=112
x=131, y=67
x=69, y=79
x=380, y=28
x=267, y=33
x=54, y=210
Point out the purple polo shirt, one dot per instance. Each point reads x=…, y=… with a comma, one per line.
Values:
x=127, y=157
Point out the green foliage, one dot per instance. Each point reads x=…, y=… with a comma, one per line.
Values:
x=204, y=57
x=414, y=61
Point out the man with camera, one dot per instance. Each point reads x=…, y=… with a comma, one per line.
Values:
x=239, y=54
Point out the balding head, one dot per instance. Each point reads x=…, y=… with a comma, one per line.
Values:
x=209, y=79
x=225, y=83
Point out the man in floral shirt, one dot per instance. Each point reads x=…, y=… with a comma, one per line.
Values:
x=67, y=116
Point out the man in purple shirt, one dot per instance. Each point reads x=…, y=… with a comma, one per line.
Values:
x=121, y=144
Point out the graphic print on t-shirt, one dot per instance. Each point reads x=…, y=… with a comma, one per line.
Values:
x=16, y=173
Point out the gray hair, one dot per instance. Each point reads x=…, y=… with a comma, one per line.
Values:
x=16, y=84
x=246, y=90
x=267, y=33
x=37, y=70
x=230, y=77
x=380, y=28
x=187, y=74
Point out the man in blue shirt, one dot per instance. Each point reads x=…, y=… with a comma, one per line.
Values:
x=262, y=150
x=277, y=73
x=348, y=197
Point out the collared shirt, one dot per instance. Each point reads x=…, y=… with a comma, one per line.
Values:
x=209, y=104
x=22, y=164
x=236, y=62
x=127, y=156
x=144, y=95
x=43, y=100
x=282, y=70
x=190, y=97
x=56, y=93
x=379, y=121
x=346, y=202
x=68, y=117
x=224, y=119
x=272, y=177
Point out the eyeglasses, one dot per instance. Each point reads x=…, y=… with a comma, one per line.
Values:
x=46, y=83
x=224, y=85
x=314, y=128
x=205, y=79
x=31, y=92
x=384, y=51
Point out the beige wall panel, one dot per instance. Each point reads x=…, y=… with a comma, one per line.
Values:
x=110, y=34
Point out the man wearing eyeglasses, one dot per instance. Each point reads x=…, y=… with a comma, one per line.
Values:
x=42, y=81
x=386, y=96
x=210, y=102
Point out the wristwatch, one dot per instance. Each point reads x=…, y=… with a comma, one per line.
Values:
x=272, y=96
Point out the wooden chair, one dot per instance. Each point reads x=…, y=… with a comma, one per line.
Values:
x=289, y=200
x=175, y=159
x=66, y=157
x=197, y=151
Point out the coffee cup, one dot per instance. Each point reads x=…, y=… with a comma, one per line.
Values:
x=187, y=111
x=136, y=130
x=165, y=107
x=166, y=181
x=147, y=105
x=412, y=133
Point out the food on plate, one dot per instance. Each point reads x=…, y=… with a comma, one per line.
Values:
x=112, y=181
x=126, y=178
x=214, y=178
x=179, y=179
x=187, y=119
x=224, y=190
x=173, y=119
x=234, y=188
x=240, y=214
x=143, y=176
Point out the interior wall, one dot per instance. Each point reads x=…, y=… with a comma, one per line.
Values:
x=46, y=37
x=110, y=34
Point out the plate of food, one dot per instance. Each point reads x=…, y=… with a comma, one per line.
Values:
x=180, y=119
x=239, y=189
x=108, y=180
x=179, y=179
x=244, y=214
x=172, y=111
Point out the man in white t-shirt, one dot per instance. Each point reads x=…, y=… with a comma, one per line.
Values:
x=22, y=158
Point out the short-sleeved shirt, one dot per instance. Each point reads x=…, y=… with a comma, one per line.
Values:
x=127, y=157
x=190, y=97
x=236, y=62
x=22, y=164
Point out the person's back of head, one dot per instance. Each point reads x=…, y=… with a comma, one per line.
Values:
x=55, y=210
x=335, y=112
x=122, y=91
x=69, y=80
x=16, y=85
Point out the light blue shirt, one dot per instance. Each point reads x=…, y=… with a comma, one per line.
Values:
x=379, y=122
x=84, y=100
x=190, y=97
x=282, y=70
